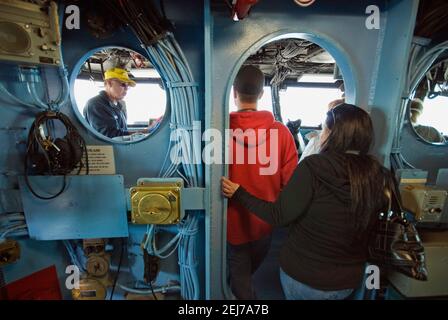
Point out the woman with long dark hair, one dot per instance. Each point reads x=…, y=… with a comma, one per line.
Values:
x=330, y=204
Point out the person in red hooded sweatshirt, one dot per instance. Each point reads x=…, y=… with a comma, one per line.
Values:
x=264, y=156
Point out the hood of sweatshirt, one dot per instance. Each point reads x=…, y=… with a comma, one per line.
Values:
x=255, y=127
x=330, y=170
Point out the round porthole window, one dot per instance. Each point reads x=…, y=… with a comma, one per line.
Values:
x=429, y=108
x=120, y=94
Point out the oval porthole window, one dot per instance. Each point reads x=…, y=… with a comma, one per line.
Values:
x=120, y=94
x=429, y=108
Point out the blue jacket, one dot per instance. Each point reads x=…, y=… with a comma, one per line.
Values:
x=105, y=117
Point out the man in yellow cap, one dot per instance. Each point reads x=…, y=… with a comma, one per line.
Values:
x=428, y=133
x=106, y=112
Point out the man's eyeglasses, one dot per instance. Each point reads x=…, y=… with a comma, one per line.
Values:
x=122, y=84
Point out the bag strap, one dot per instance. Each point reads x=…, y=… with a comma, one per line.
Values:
x=396, y=199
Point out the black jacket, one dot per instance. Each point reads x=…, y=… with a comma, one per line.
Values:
x=105, y=117
x=322, y=250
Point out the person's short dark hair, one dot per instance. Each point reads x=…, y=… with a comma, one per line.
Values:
x=249, y=83
x=417, y=105
x=416, y=109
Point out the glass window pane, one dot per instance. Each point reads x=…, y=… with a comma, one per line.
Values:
x=139, y=108
x=434, y=114
x=308, y=104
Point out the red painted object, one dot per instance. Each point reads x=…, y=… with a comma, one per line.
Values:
x=41, y=285
x=242, y=7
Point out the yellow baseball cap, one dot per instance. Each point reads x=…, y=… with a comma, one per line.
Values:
x=119, y=74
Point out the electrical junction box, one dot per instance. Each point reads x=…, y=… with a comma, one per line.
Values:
x=157, y=201
x=29, y=33
x=426, y=202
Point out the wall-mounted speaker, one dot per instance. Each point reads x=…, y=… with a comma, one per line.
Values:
x=29, y=33
x=14, y=39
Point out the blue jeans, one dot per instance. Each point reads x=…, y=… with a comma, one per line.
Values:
x=295, y=290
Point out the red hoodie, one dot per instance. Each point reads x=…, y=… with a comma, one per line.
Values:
x=270, y=157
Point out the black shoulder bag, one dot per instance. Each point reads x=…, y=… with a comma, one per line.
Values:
x=395, y=244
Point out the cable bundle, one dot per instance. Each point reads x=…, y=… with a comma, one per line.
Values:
x=188, y=261
x=168, y=59
x=184, y=241
x=71, y=248
x=12, y=224
x=31, y=76
x=282, y=63
x=48, y=155
x=437, y=76
x=152, y=29
x=287, y=61
x=142, y=16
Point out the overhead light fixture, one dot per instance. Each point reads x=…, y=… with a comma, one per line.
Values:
x=304, y=3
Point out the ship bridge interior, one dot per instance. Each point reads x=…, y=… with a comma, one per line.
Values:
x=125, y=202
